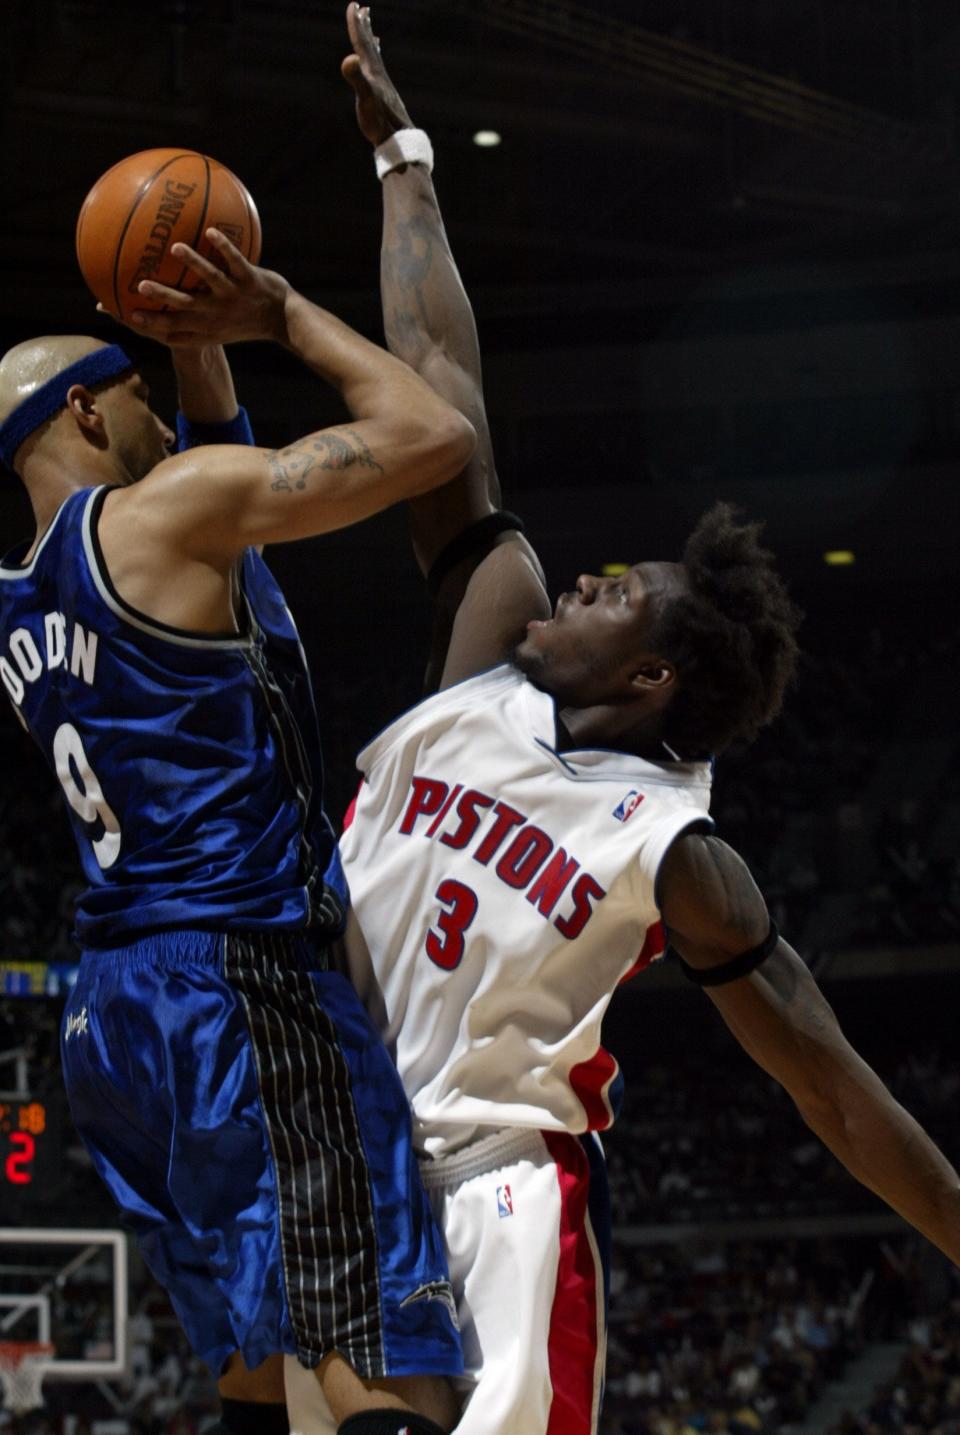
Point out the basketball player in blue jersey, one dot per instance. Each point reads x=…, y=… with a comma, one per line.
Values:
x=493, y=950
x=231, y=1090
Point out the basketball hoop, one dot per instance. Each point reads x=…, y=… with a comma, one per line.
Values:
x=22, y=1368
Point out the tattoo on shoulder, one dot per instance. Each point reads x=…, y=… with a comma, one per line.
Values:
x=335, y=450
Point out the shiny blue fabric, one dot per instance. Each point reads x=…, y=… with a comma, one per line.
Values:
x=162, y=1085
x=206, y=751
x=163, y=1081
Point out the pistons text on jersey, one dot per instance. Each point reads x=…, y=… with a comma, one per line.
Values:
x=529, y=861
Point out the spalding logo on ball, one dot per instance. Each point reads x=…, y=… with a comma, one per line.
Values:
x=146, y=203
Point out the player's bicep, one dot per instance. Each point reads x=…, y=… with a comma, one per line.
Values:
x=710, y=904
x=505, y=592
x=714, y=914
x=216, y=501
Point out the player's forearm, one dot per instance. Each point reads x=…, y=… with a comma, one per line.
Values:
x=204, y=384
x=884, y=1147
x=427, y=316
x=428, y=322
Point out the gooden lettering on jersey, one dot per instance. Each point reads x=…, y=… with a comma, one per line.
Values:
x=501, y=890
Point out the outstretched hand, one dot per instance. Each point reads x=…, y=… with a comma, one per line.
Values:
x=239, y=301
x=380, y=110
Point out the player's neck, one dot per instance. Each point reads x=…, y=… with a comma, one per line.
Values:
x=49, y=485
x=620, y=728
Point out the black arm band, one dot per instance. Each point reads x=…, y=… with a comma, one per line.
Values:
x=736, y=967
x=469, y=540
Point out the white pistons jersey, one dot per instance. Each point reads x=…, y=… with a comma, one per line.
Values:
x=501, y=890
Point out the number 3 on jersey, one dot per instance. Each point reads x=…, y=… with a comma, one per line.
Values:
x=84, y=793
x=458, y=907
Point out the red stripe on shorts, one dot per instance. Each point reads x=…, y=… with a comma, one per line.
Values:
x=572, y=1342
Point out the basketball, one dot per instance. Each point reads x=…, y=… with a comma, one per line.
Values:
x=146, y=203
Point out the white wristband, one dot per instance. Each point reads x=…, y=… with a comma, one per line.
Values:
x=404, y=147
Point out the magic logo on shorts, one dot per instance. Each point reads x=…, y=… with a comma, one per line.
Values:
x=435, y=1290
x=76, y=1024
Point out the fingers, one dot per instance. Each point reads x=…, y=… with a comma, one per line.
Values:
x=165, y=328
x=237, y=266
x=360, y=28
x=175, y=299
x=213, y=274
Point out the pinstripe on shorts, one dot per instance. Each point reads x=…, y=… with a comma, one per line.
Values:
x=328, y=1237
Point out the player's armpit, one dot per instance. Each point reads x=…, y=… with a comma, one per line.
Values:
x=505, y=592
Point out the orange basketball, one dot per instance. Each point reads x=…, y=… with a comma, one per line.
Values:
x=143, y=205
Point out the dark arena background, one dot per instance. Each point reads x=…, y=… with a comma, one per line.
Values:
x=716, y=253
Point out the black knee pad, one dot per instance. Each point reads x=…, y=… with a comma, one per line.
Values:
x=388, y=1422
x=249, y=1417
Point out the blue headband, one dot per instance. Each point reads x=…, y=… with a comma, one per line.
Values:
x=44, y=402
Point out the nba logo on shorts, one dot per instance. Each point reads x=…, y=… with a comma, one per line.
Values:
x=628, y=806
x=504, y=1201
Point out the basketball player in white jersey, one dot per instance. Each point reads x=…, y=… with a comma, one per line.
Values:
x=523, y=839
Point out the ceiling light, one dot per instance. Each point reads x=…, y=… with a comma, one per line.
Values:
x=839, y=557
x=613, y=570
x=487, y=139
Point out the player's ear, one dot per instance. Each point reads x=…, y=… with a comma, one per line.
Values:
x=655, y=676
x=82, y=404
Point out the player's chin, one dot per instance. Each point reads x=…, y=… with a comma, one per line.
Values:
x=529, y=655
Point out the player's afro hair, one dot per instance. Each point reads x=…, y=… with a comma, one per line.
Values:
x=731, y=637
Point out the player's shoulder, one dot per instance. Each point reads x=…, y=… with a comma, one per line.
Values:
x=28, y=561
x=481, y=697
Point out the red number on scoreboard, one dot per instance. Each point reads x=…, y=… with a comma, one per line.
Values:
x=15, y=1167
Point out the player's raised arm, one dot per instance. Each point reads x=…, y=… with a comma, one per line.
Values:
x=718, y=923
x=205, y=392
x=429, y=323
x=211, y=503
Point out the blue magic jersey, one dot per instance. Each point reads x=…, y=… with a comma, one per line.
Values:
x=190, y=764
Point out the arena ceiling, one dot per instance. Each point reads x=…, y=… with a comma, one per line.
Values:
x=642, y=140
x=652, y=150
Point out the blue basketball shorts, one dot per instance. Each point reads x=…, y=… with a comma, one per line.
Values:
x=253, y=1130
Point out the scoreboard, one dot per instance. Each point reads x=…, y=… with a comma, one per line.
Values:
x=28, y=1146
x=30, y=1156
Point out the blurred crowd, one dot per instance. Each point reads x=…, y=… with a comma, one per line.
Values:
x=729, y=1337
x=923, y=1397
x=707, y=1136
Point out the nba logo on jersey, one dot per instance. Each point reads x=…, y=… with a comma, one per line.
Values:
x=504, y=1201
x=628, y=806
